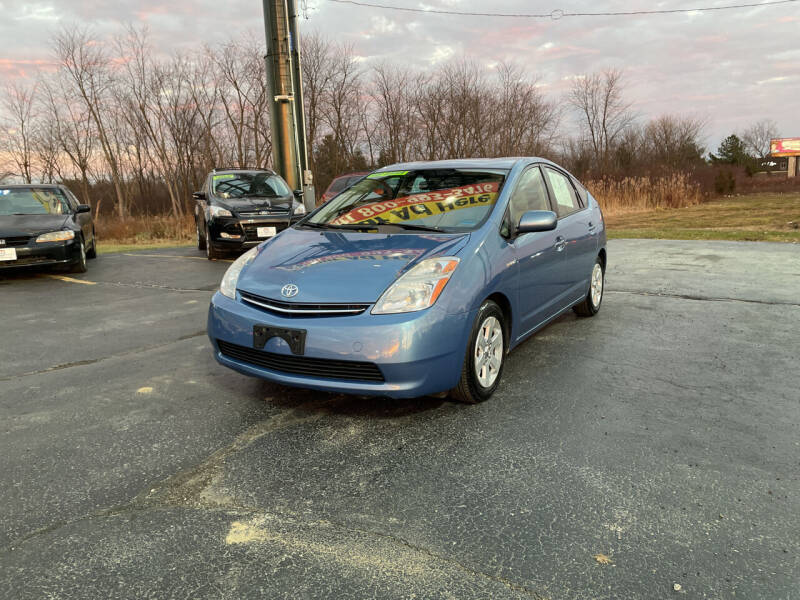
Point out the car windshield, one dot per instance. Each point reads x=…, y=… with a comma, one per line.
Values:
x=256, y=184
x=451, y=200
x=33, y=201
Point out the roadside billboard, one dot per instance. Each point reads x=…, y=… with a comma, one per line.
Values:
x=785, y=147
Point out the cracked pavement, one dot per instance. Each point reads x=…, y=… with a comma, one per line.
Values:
x=662, y=433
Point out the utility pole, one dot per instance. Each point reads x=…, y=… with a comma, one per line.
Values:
x=284, y=75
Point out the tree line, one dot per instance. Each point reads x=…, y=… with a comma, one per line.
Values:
x=136, y=132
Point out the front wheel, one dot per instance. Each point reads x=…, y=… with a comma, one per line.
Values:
x=594, y=297
x=483, y=363
x=79, y=266
x=211, y=252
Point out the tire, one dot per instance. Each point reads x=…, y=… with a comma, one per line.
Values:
x=92, y=252
x=201, y=240
x=594, y=297
x=211, y=252
x=479, y=381
x=80, y=265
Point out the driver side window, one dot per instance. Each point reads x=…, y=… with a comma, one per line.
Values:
x=530, y=194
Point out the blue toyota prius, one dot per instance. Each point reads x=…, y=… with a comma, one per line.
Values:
x=416, y=280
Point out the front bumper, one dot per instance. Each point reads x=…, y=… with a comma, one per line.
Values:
x=239, y=233
x=35, y=254
x=417, y=353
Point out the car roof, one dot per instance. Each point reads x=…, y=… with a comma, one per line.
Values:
x=463, y=163
x=353, y=174
x=237, y=170
x=24, y=185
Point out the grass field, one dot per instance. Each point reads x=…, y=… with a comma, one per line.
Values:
x=110, y=246
x=754, y=217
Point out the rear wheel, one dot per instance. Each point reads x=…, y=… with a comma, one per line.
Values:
x=594, y=297
x=92, y=252
x=483, y=363
x=211, y=252
x=201, y=241
x=79, y=266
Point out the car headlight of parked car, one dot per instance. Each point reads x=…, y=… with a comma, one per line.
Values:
x=56, y=236
x=228, y=285
x=417, y=289
x=300, y=210
x=218, y=211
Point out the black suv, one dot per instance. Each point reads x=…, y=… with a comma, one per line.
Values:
x=239, y=208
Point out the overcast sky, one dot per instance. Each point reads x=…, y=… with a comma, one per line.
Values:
x=733, y=67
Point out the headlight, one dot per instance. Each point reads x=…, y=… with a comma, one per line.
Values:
x=300, y=210
x=228, y=285
x=56, y=236
x=218, y=211
x=419, y=288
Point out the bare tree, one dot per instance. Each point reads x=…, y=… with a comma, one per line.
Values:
x=603, y=112
x=674, y=141
x=395, y=92
x=18, y=102
x=316, y=76
x=757, y=137
x=523, y=120
x=343, y=103
x=72, y=127
x=88, y=66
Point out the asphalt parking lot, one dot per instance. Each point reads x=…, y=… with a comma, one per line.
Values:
x=656, y=445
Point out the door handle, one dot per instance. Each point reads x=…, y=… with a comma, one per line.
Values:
x=591, y=227
x=560, y=244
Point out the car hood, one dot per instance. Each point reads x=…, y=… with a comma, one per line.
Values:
x=19, y=225
x=332, y=266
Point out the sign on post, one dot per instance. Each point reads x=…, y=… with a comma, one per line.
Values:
x=785, y=147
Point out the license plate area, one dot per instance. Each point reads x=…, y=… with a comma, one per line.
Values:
x=265, y=232
x=8, y=254
x=296, y=338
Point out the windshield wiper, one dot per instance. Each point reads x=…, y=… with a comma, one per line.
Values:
x=345, y=227
x=413, y=227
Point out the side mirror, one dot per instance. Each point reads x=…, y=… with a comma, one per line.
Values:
x=298, y=194
x=199, y=195
x=83, y=208
x=537, y=220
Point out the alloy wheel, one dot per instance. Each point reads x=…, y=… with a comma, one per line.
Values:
x=488, y=354
x=597, y=285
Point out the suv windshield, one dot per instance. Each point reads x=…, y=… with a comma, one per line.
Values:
x=256, y=184
x=33, y=201
x=452, y=200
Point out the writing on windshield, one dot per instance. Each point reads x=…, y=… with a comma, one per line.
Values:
x=440, y=199
x=422, y=205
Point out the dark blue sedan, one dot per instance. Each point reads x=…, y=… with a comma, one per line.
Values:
x=417, y=280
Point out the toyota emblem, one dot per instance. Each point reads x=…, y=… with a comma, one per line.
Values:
x=289, y=290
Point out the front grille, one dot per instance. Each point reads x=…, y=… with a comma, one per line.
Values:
x=251, y=233
x=303, y=309
x=265, y=212
x=303, y=365
x=21, y=240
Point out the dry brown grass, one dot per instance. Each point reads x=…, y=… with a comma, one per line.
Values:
x=145, y=230
x=634, y=194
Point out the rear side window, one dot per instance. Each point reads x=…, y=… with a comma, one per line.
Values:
x=563, y=193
